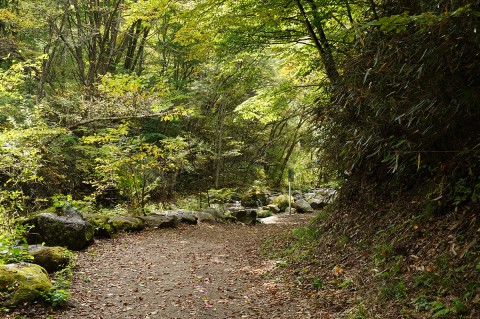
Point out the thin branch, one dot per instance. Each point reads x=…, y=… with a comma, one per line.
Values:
x=116, y=118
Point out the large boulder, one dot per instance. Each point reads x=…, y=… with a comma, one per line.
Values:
x=246, y=216
x=102, y=226
x=255, y=197
x=50, y=258
x=302, y=206
x=186, y=216
x=274, y=208
x=317, y=203
x=264, y=213
x=205, y=217
x=160, y=220
x=22, y=282
x=281, y=201
x=126, y=223
x=217, y=213
x=66, y=229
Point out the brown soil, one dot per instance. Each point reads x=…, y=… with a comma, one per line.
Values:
x=201, y=271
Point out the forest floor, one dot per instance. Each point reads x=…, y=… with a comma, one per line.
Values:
x=196, y=271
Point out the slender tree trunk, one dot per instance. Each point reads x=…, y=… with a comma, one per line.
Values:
x=373, y=7
x=349, y=12
x=320, y=40
x=289, y=152
x=139, y=57
x=219, y=156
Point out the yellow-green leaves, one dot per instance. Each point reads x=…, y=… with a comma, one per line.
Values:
x=127, y=163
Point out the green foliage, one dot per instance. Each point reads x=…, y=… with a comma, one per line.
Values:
x=255, y=196
x=361, y=313
x=133, y=167
x=305, y=235
x=56, y=297
x=317, y=284
x=395, y=289
x=404, y=115
x=223, y=195
x=13, y=246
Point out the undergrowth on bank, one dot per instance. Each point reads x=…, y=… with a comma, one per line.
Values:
x=392, y=263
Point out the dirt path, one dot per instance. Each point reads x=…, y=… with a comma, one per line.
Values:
x=202, y=271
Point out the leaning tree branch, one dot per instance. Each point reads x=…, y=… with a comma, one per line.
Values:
x=116, y=118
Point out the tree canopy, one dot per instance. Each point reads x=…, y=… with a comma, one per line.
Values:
x=192, y=95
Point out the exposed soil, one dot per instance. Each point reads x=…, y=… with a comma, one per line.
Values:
x=201, y=271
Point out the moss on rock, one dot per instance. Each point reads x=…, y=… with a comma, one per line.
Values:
x=255, y=197
x=282, y=202
x=102, y=225
x=126, y=223
x=23, y=282
x=264, y=213
x=50, y=258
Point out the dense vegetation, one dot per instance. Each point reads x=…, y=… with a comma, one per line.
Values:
x=124, y=102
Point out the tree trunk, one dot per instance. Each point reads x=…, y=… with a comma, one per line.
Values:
x=320, y=40
x=219, y=156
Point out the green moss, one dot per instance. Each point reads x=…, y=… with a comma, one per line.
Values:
x=23, y=283
x=51, y=258
x=101, y=225
x=255, y=197
x=124, y=223
x=282, y=202
x=264, y=213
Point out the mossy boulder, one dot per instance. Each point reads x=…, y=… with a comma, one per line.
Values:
x=302, y=206
x=204, y=217
x=264, y=213
x=102, y=226
x=281, y=201
x=255, y=197
x=274, y=208
x=187, y=217
x=126, y=223
x=66, y=229
x=160, y=220
x=20, y=283
x=50, y=258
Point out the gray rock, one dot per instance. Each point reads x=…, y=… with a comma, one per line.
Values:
x=302, y=206
x=246, y=216
x=68, y=230
x=317, y=203
x=215, y=212
x=233, y=206
x=326, y=194
x=186, y=216
x=160, y=220
x=204, y=217
x=282, y=202
x=274, y=208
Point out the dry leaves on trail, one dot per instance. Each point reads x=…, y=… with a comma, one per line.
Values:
x=203, y=271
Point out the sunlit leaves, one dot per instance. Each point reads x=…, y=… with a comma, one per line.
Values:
x=127, y=163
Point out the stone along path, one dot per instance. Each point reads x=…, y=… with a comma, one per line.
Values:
x=202, y=271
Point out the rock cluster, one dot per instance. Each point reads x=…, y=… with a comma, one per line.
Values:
x=68, y=230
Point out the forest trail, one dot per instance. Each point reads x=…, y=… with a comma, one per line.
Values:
x=202, y=271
